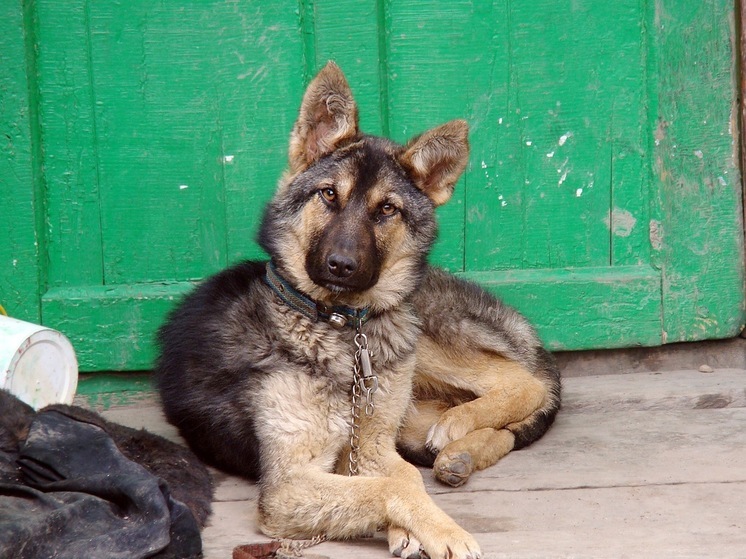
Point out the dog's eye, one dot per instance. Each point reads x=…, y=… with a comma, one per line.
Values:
x=328, y=194
x=388, y=210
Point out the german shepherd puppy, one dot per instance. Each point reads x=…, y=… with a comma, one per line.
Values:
x=257, y=363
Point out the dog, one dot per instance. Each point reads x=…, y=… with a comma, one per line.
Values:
x=347, y=351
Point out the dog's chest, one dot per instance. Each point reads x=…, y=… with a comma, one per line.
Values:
x=307, y=402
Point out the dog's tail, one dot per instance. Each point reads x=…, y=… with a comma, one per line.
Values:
x=539, y=422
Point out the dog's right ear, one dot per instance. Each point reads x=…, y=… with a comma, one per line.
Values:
x=328, y=117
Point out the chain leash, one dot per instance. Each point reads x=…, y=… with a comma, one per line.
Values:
x=364, y=385
x=294, y=548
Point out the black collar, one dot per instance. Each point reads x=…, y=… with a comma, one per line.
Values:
x=337, y=316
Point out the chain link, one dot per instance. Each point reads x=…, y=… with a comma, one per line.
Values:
x=363, y=381
x=295, y=548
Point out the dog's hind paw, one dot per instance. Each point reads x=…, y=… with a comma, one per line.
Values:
x=450, y=427
x=453, y=470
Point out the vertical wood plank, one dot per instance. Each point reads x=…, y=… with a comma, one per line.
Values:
x=19, y=166
x=159, y=132
x=347, y=31
x=565, y=152
x=261, y=77
x=438, y=56
x=73, y=220
x=699, y=232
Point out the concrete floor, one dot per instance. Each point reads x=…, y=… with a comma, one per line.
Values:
x=644, y=464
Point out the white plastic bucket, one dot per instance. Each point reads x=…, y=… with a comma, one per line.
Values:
x=37, y=364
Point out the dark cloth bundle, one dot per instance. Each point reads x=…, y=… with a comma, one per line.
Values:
x=67, y=489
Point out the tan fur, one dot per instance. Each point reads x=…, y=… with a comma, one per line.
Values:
x=463, y=429
x=300, y=498
x=437, y=158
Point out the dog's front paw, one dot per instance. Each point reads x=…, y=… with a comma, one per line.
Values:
x=451, y=426
x=403, y=544
x=453, y=545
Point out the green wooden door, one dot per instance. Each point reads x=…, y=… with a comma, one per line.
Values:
x=602, y=198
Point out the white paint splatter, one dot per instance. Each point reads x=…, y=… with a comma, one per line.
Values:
x=15, y=262
x=500, y=120
x=503, y=203
x=484, y=165
x=722, y=182
x=228, y=158
x=529, y=142
x=550, y=154
x=183, y=186
x=579, y=192
x=698, y=153
x=563, y=177
x=564, y=138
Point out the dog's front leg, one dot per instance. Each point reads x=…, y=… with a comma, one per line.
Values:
x=378, y=457
x=310, y=502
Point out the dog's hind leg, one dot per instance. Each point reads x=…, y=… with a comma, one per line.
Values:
x=505, y=407
x=506, y=395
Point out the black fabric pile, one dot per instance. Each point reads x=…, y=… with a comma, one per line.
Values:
x=71, y=487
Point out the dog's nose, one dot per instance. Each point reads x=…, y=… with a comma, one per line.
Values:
x=341, y=266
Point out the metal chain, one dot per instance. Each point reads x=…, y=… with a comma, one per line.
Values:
x=294, y=548
x=364, y=383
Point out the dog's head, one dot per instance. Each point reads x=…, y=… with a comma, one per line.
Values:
x=353, y=217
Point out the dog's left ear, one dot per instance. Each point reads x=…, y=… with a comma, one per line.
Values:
x=436, y=159
x=328, y=117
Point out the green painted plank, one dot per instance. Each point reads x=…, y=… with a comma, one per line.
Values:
x=201, y=139
x=438, y=56
x=112, y=328
x=19, y=243
x=697, y=230
x=572, y=107
x=104, y=390
x=347, y=31
x=261, y=93
x=584, y=308
x=159, y=132
x=73, y=220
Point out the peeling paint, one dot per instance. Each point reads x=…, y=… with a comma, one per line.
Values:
x=655, y=232
x=620, y=222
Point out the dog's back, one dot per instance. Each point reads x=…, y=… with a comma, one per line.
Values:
x=205, y=381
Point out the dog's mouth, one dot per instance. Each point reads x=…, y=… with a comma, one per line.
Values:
x=342, y=287
x=337, y=288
